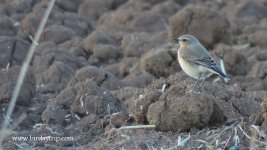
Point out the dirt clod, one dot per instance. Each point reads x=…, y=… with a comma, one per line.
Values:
x=8, y=82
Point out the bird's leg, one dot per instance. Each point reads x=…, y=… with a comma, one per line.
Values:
x=195, y=87
x=192, y=90
x=200, y=85
x=195, y=84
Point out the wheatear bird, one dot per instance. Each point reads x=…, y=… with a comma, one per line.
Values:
x=195, y=60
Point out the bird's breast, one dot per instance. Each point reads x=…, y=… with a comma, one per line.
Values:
x=192, y=70
x=188, y=68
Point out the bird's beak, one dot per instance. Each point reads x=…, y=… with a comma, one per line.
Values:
x=176, y=39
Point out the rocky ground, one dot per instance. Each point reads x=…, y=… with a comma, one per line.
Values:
x=101, y=66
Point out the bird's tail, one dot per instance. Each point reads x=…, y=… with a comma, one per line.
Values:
x=224, y=75
x=209, y=63
x=221, y=73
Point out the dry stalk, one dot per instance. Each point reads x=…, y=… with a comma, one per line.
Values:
x=24, y=69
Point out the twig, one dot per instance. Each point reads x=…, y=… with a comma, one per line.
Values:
x=236, y=138
x=250, y=137
x=220, y=133
x=227, y=142
x=252, y=142
x=137, y=127
x=5, y=132
x=180, y=142
x=25, y=68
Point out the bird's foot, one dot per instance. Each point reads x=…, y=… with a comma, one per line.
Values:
x=196, y=92
x=192, y=91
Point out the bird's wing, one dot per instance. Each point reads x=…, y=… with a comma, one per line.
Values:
x=197, y=55
x=207, y=62
x=202, y=58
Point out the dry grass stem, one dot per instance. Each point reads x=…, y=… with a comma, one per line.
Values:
x=137, y=127
x=24, y=69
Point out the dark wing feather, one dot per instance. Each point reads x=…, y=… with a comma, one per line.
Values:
x=202, y=58
x=208, y=62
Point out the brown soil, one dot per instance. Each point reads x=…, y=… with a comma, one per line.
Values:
x=103, y=65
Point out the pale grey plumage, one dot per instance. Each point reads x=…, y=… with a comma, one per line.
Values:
x=195, y=60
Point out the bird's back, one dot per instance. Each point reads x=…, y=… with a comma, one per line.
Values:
x=200, y=59
x=193, y=51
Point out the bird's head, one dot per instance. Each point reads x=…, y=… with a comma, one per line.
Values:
x=186, y=40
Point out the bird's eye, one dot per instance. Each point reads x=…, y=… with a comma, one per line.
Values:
x=184, y=40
